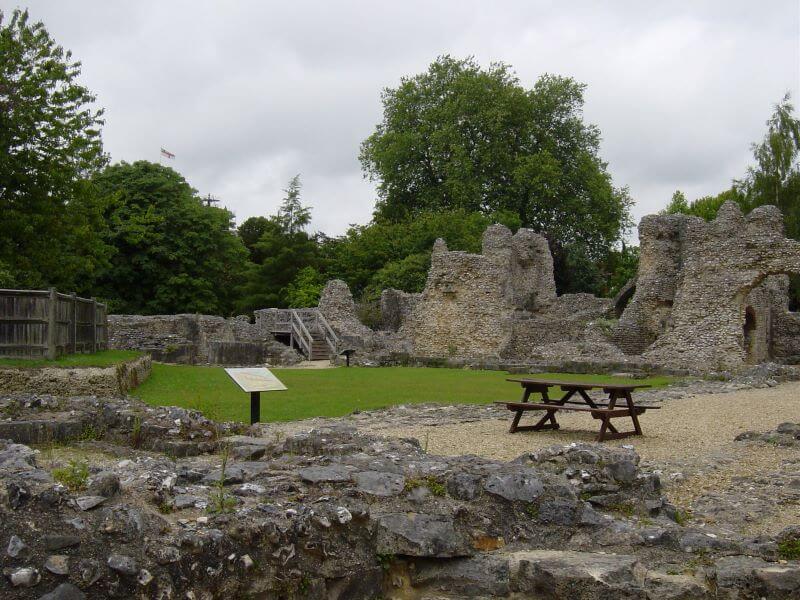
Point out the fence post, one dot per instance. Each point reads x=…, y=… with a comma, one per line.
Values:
x=74, y=324
x=94, y=325
x=51, y=324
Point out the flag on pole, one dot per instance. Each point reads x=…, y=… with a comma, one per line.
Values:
x=167, y=153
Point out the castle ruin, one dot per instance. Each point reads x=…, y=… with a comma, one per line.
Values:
x=707, y=296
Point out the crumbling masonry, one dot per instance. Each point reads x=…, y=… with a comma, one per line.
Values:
x=707, y=296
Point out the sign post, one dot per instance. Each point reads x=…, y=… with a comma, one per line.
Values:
x=255, y=380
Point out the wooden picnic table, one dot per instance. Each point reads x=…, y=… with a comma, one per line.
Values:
x=604, y=411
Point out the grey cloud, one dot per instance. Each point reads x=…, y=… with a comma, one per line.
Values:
x=249, y=93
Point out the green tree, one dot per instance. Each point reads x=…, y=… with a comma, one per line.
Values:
x=677, y=205
x=49, y=143
x=280, y=255
x=250, y=232
x=705, y=207
x=173, y=253
x=459, y=137
x=305, y=289
x=292, y=215
x=775, y=178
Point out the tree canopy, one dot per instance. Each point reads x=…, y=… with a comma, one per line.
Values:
x=460, y=137
x=49, y=143
x=173, y=253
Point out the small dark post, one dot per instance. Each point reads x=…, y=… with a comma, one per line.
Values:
x=255, y=407
x=347, y=354
x=94, y=325
x=74, y=325
x=52, y=313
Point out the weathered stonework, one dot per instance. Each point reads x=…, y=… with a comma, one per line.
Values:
x=396, y=308
x=108, y=381
x=338, y=307
x=712, y=322
x=469, y=302
x=707, y=296
x=193, y=339
x=334, y=512
x=661, y=242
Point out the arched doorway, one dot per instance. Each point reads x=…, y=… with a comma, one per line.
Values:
x=749, y=334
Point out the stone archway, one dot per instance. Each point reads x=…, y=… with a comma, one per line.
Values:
x=624, y=296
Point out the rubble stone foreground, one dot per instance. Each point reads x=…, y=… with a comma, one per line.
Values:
x=110, y=498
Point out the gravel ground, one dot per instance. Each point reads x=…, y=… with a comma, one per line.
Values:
x=691, y=440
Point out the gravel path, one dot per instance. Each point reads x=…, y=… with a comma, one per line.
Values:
x=691, y=440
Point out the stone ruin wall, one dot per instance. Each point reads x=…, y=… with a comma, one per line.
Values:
x=727, y=265
x=660, y=258
x=687, y=307
x=198, y=339
x=468, y=304
x=396, y=308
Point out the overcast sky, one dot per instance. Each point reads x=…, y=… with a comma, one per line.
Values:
x=247, y=94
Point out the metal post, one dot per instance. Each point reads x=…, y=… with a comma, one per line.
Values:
x=255, y=407
x=51, y=324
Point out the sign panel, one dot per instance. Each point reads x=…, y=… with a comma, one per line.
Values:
x=255, y=379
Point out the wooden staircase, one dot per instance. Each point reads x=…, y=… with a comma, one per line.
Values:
x=320, y=350
x=314, y=338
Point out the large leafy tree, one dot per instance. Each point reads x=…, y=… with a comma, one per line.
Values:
x=173, y=253
x=460, y=137
x=49, y=143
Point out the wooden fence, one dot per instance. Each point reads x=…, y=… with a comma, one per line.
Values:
x=47, y=324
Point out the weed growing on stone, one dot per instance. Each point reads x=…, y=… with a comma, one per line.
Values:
x=789, y=549
x=220, y=501
x=532, y=510
x=92, y=433
x=701, y=559
x=136, y=432
x=605, y=325
x=625, y=509
x=682, y=517
x=74, y=476
x=435, y=486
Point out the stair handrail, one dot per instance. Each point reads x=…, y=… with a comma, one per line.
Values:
x=302, y=332
x=327, y=331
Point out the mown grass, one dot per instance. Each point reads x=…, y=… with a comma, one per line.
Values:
x=104, y=358
x=335, y=392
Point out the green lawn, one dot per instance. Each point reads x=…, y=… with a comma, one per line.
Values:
x=104, y=358
x=334, y=392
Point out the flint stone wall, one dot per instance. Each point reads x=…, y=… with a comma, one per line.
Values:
x=722, y=263
x=193, y=339
x=568, y=319
x=396, y=308
x=468, y=305
x=338, y=307
x=661, y=243
x=115, y=380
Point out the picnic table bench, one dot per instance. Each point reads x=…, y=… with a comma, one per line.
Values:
x=604, y=411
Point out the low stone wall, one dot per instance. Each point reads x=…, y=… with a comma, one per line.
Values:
x=99, y=381
x=199, y=339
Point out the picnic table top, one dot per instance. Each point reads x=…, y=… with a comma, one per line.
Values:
x=578, y=384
